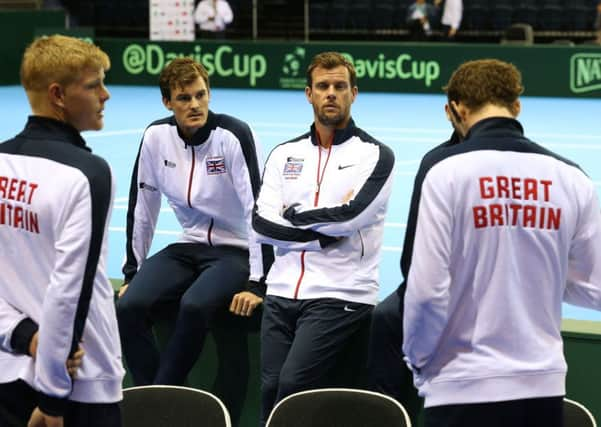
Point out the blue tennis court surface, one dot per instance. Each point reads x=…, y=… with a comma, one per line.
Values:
x=409, y=124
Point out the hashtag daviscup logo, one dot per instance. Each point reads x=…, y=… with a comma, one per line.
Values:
x=134, y=59
x=292, y=69
x=585, y=72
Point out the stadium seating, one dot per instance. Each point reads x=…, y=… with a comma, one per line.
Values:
x=502, y=11
x=483, y=20
x=20, y=4
x=526, y=12
x=318, y=14
x=359, y=13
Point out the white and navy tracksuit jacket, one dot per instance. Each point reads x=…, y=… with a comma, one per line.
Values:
x=311, y=197
x=55, y=203
x=210, y=183
x=505, y=231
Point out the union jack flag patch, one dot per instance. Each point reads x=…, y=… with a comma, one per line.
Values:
x=215, y=165
x=293, y=168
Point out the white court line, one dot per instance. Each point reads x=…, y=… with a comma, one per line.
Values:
x=437, y=131
x=371, y=129
x=535, y=135
x=112, y=133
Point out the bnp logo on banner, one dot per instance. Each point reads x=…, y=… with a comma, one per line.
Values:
x=293, y=69
x=585, y=72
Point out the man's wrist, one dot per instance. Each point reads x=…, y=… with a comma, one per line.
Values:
x=257, y=287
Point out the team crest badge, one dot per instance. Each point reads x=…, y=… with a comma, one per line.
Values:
x=293, y=167
x=215, y=165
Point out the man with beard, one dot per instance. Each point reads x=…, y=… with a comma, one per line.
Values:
x=322, y=204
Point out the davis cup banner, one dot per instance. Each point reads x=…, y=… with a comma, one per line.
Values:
x=381, y=67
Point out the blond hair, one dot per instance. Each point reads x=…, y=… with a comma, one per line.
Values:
x=59, y=59
x=485, y=81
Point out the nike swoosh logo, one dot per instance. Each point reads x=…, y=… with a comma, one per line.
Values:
x=347, y=308
x=340, y=167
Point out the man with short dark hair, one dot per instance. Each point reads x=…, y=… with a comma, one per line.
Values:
x=207, y=167
x=505, y=231
x=322, y=204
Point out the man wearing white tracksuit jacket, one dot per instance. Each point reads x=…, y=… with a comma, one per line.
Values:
x=55, y=205
x=207, y=167
x=322, y=204
x=506, y=230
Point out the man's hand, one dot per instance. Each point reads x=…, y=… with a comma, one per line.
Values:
x=33, y=345
x=73, y=363
x=122, y=289
x=244, y=303
x=40, y=419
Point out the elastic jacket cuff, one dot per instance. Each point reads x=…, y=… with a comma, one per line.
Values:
x=258, y=288
x=22, y=335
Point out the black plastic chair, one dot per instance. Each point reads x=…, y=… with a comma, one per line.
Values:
x=338, y=407
x=577, y=415
x=169, y=406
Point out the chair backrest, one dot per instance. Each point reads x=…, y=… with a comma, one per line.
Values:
x=168, y=406
x=577, y=415
x=338, y=407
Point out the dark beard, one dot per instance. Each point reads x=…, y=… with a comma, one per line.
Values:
x=333, y=121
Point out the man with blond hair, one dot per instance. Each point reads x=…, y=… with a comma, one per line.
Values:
x=55, y=201
x=506, y=230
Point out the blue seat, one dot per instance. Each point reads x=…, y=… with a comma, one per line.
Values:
x=526, y=11
x=476, y=15
x=318, y=14
x=383, y=13
x=577, y=16
x=501, y=16
x=550, y=16
x=338, y=14
x=359, y=14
